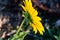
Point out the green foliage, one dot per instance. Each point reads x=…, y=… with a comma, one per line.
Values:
x=20, y=36
x=27, y=17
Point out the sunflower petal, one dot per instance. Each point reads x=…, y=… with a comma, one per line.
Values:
x=34, y=28
x=23, y=7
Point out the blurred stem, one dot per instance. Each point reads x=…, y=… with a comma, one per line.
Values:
x=49, y=31
x=20, y=26
x=18, y=30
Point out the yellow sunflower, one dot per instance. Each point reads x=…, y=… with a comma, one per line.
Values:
x=35, y=24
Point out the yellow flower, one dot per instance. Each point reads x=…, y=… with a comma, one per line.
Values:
x=35, y=24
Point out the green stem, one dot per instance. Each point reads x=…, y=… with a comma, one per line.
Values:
x=20, y=26
x=19, y=29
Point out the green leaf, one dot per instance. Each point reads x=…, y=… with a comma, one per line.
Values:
x=58, y=38
x=20, y=36
x=23, y=34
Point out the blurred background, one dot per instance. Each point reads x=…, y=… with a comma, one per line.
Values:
x=11, y=17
